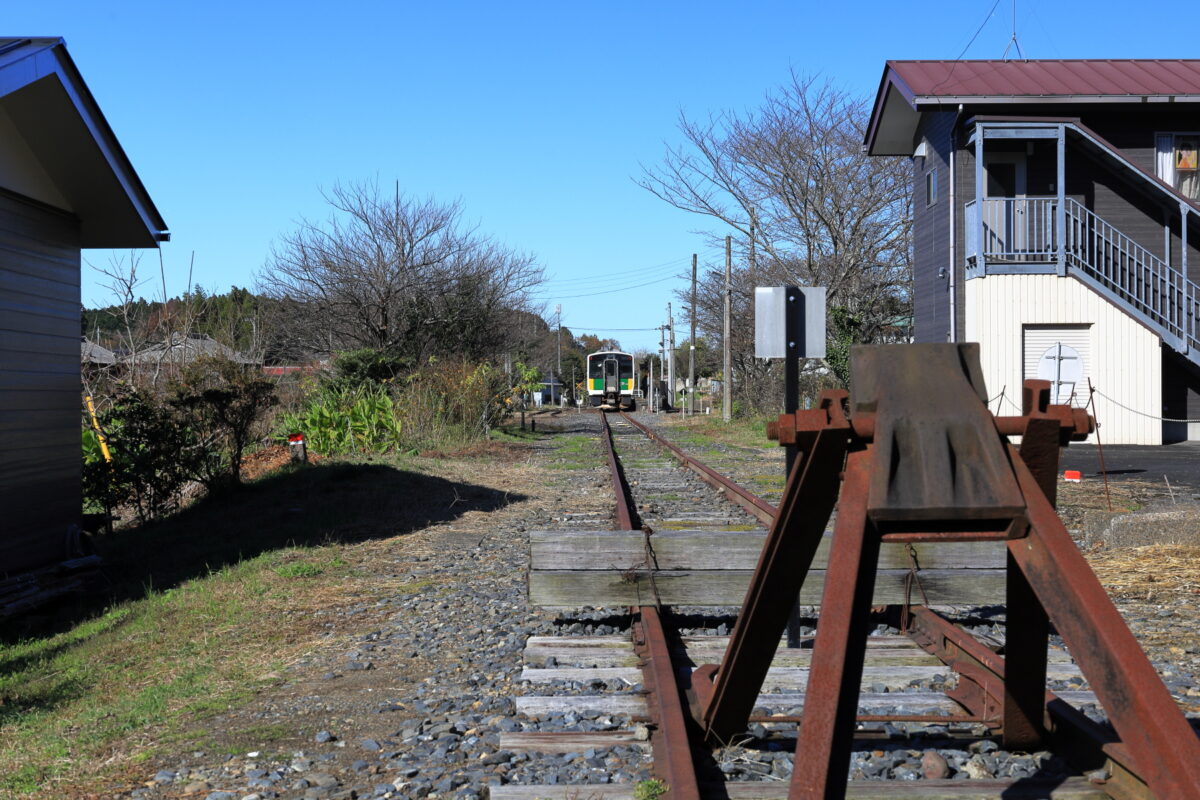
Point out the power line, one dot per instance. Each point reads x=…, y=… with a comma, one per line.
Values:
x=609, y=291
x=610, y=280
x=958, y=58
x=606, y=275
x=599, y=328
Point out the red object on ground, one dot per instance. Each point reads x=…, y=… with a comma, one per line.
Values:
x=1073, y=475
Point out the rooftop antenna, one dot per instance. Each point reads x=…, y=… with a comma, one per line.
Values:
x=1013, y=41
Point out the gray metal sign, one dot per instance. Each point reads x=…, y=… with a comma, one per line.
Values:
x=772, y=307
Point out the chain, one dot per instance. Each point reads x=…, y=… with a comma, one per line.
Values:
x=913, y=576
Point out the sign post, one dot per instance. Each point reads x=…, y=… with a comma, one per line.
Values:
x=789, y=323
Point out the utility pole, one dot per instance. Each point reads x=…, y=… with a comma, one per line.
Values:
x=662, y=361
x=650, y=384
x=691, y=404
x=727, y=361
x=671, y=355
x=558, y=372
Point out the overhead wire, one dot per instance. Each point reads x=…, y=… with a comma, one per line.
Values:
x=611, y=291
x=619, y=272
x=609, y=282
x=600, y=328
x=963, y=52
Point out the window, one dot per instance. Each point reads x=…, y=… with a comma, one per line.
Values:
x=931, y=187
x=1177, y=161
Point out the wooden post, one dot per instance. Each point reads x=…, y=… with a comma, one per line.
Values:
x=727, y=361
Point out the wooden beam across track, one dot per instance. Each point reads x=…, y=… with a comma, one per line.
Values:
x=713, y=568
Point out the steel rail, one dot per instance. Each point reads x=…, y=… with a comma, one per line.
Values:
x=625, y=513
x=1081, y=741
x=670, y=742
x=755, y=505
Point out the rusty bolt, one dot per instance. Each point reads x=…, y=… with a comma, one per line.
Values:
x=785, y=429
x=1085, y=423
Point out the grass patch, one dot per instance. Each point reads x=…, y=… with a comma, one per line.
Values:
x=103, y=685
x=300, y=570
x=576, y=451
x=742, y=432
x=511, y=433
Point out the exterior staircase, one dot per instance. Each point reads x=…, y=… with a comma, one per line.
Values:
x=1020, y=234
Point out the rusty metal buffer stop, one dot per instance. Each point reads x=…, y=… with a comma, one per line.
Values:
x=914, y=456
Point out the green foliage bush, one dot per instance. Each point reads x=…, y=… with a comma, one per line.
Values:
x=222, y=403
x=441, y=404
x=354, y=368
x=197, y=431
x=339, y=419
x=153, y=457
x=847, y=332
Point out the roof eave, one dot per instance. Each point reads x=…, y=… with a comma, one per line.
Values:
x=924, y=102
x=37, y=58
x=889, y=80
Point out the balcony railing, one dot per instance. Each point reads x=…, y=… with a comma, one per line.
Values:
x=1012, y=233
x=1015, y=230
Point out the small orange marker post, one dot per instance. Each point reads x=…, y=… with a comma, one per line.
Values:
x=1073, y=476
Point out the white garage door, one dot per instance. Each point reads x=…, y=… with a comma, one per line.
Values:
x=1060, y=354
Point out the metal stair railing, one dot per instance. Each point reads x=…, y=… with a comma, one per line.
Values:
x=1130, y=274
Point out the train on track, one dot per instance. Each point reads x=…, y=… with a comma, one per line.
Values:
x=611, y=382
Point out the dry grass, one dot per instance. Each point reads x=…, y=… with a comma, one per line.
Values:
x=1149, y=571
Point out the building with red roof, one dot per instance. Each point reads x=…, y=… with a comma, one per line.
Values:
x=1056, y=221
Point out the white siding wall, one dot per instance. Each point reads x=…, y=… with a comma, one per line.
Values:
x=1126, y=360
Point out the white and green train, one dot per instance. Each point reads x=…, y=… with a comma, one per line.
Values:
x=610, y=380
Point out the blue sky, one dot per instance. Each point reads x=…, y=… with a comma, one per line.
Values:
x=535, y=115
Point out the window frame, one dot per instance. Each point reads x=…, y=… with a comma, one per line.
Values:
x=1169, y=168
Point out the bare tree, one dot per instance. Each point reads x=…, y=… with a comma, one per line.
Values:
x=805, y=204
x=394, y=273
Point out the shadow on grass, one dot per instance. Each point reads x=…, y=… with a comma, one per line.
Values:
x=308, y=506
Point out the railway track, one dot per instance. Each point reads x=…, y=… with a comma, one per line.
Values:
x=670, y=578
x=657, y=484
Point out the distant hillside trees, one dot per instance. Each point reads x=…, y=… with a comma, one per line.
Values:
x=804, y=206
x=395, y=274
x=131, y=322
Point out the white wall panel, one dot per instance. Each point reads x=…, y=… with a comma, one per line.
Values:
x=1125, y=356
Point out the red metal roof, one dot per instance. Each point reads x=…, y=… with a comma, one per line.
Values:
x=1049, y=78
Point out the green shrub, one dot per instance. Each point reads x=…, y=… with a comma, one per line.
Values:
x=354, y=368
x=153, y=457
x=442, y=404
x=340, y=420
x=222, y=403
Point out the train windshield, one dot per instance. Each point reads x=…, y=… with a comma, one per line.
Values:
x=610, y=365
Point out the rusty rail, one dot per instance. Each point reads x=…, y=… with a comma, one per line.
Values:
x=1047, y=580
x=670, y=741
x=755, y=505
x=625, y=512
